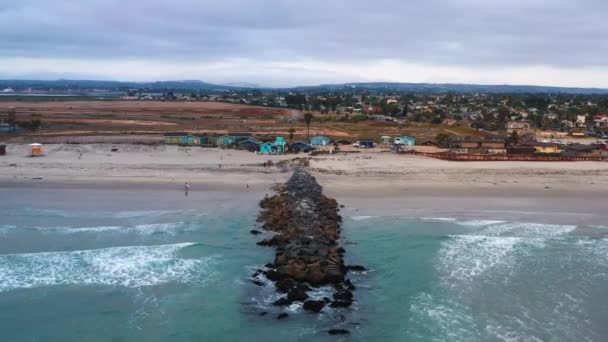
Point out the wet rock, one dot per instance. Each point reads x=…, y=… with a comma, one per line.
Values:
x=282, y=302
x=356, y=268
x=338, y=332
x=314, y=305
x=344, y=295
x=255, y=232
x=268, y=242
x=257, y=282
x=340, y=304
x=297, y=294
x=284, y=285
x=274, y=275
x=282, y=315
x=263, y=313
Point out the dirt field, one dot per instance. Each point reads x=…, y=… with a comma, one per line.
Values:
x=95, y=118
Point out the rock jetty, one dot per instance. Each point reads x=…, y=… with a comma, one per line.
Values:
x=306, y=224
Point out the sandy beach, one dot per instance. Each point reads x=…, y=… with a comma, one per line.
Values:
x=365, y=182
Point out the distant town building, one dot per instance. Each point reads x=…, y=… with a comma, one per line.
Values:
x=601, y=122
x=581, y=119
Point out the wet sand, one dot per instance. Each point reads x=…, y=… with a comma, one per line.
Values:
x=368, y=184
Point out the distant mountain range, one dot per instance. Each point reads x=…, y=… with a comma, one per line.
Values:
x=378, y=87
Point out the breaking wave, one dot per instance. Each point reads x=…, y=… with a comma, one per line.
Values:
x=142, y=229
x=134, y=266
x=489, y=258
x=360, y=218
x=464, y=257
x=124, y=214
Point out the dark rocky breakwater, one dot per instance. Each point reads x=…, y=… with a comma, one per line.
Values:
x=308, y=253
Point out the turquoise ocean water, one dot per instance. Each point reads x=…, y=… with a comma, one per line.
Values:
x=79, y=265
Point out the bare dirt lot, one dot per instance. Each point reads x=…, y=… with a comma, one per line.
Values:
x=117, y=117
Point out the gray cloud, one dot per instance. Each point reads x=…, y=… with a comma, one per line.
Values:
x=484, y=33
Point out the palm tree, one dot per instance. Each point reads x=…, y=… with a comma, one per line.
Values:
x=292, y=131
x=308, y=119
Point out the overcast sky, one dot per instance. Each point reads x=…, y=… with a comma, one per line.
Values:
x=307, y=42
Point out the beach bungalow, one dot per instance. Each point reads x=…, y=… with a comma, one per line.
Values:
x=364, y=144
x=385, y=139
x=320, y=140
x=276, y=147
x=299, y=146
x=193, y=140
x=196, y=139
x=344, y=142
x=176, y=138
x=280, y=144
x=267, y=148
x=211, y=140
x=250, y=144
x=232, y=138
x=405, y=140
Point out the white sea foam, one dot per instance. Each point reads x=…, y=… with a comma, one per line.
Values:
x=448, y=320
x=122, y=214
x=528, y=230
x=143, y=213
x=360, y=218
x=503, y=333
x=143, y=229
x=464, y=257
x=496, y=254
x=478, y=223
x=269, y=294
x=444, y=219
x=6, y=228
x=133, y=266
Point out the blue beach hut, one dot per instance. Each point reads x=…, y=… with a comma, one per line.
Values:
x=405, y=140
x=320, y=140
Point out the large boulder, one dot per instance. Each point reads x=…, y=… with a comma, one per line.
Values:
x=314, y=305
x=297, y=293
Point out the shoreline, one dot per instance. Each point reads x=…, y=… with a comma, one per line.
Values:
x=583, y=206
x=367, y=183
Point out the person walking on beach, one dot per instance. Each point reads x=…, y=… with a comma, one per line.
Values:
x=186, y=188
